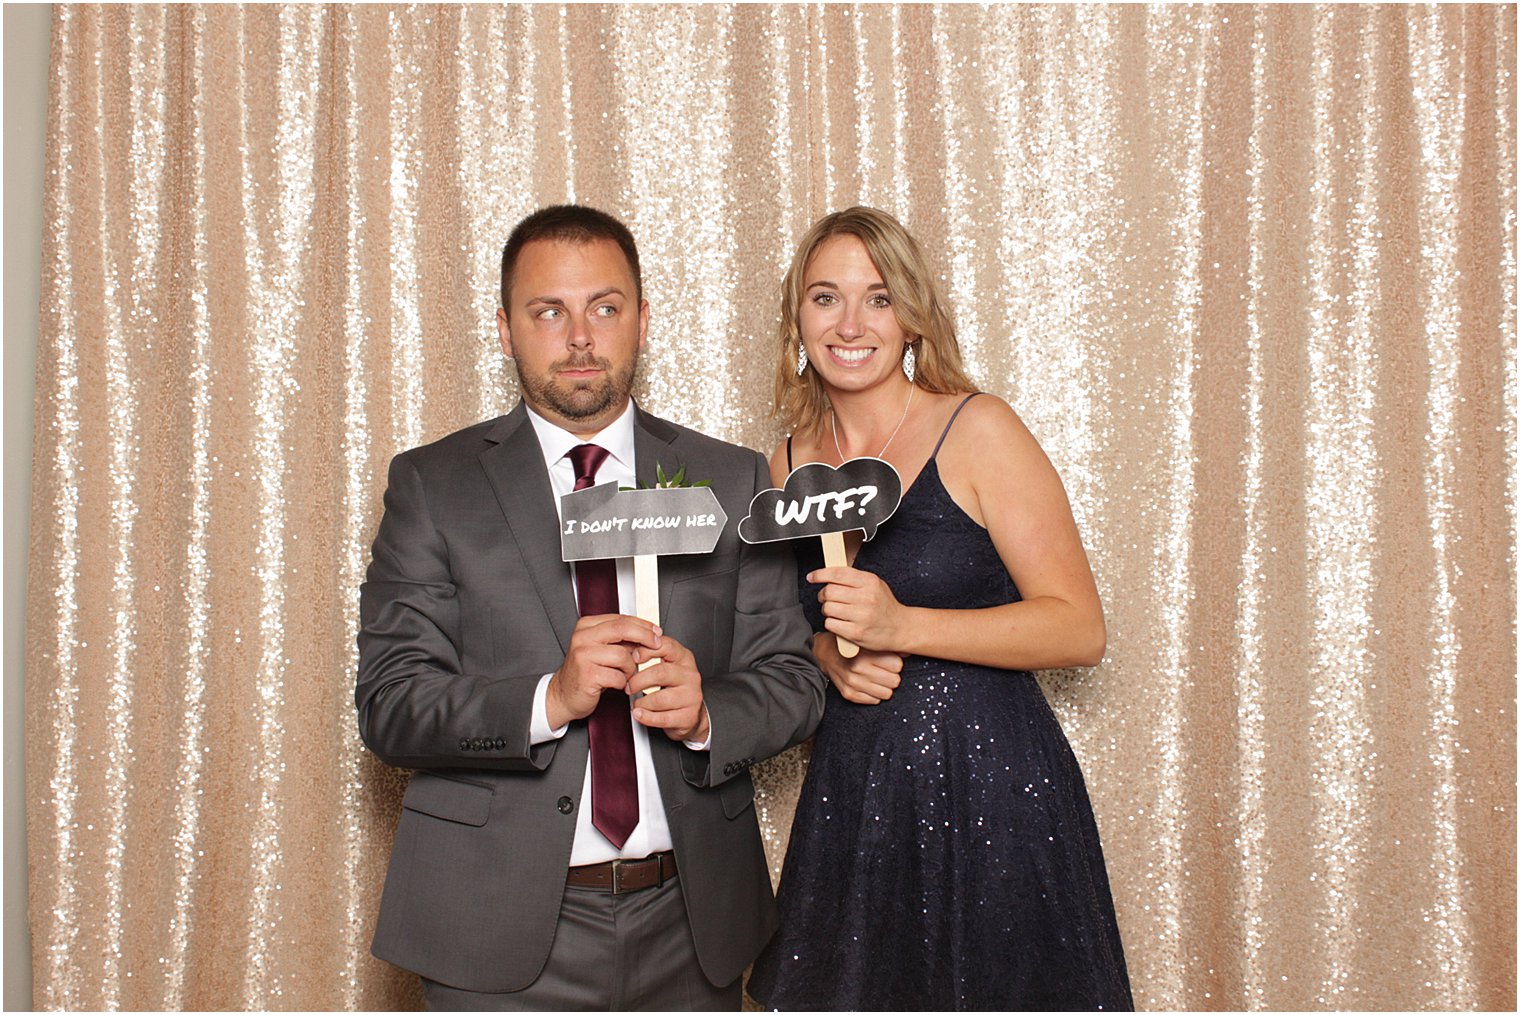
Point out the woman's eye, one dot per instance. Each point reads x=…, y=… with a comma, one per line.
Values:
x=881, y=300
x=824, y=299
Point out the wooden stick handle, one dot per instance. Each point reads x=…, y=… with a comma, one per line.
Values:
x=833, y=556
x=646, y=596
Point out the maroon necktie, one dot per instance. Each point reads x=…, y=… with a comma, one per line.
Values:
x=614, y=779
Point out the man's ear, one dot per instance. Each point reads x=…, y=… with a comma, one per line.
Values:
x=504, y=330
x=643, y=324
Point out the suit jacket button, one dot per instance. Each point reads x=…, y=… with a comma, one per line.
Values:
x=566, y=805
x=464, y=743
x=501, y=744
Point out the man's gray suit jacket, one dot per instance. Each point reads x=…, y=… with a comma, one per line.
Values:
x=466, y=605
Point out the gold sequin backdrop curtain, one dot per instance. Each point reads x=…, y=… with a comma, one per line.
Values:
x=1249, y=274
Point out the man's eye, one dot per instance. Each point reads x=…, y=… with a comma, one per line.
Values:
x=549, y=314
x=606, y=310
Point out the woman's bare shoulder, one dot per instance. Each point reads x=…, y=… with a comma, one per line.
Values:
x=989, y=430
x=778, y=461
x=987, y=418
x=791, y=452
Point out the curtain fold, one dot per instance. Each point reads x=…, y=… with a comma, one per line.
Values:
x=1248, y=273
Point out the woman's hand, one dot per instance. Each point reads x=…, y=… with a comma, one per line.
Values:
x=860, y=607
x=868, y=679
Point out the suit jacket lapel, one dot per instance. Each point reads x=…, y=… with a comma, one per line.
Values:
x=652, y=438
x=515, y=466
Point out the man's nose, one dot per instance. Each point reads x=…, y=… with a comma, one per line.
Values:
x=580, y=332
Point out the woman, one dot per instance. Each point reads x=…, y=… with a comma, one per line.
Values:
x=943, y=854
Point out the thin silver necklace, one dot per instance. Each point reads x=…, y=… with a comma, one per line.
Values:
x=834, y=427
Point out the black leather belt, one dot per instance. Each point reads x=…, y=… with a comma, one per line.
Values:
x=619, y=876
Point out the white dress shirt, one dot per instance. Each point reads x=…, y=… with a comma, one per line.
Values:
x=652, y=834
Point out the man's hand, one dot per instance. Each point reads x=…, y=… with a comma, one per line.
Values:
x=601, y=658
x=677, y=706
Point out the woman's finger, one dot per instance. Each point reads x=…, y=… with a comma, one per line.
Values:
x=839, y=576
x=862, y=694
x=836, y=623
x=881, y=677
x=838, y=593
x=874, y=691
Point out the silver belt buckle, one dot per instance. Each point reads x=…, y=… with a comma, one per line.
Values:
x=617, y=876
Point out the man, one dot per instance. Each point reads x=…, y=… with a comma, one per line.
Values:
x=524, y=876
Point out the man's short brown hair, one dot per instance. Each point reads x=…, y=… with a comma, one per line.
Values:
x=572, y=223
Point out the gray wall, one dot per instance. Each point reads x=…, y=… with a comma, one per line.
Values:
x=26, y=81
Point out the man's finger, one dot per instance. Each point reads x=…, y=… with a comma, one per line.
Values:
x=667, y=719
x=670, y=650
x=609, y=628
x=664, y=674
x=662, y=699
x=665, y=691
x=615, y=660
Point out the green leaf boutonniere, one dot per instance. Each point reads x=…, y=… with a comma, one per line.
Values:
x=664, y=482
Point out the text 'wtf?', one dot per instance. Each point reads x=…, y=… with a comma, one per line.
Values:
x=793, y=512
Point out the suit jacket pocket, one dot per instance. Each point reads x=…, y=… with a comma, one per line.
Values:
x=468, y=803
x=687, y=566
x=737, y=795
x=699, y=614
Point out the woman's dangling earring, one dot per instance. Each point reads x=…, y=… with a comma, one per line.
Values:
x=910, y=362
x=801, y=358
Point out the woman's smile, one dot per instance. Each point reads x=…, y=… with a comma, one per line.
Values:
x=850, y=356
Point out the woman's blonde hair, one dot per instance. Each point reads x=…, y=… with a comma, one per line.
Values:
x=920, y=309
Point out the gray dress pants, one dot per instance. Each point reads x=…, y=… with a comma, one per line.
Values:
x=629, y=952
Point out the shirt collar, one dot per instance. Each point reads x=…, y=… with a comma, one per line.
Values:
x=616, y=437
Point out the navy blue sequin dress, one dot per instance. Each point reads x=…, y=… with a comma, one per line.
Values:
x=943, y=855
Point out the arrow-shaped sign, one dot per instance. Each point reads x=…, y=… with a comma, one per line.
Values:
x=603, y=521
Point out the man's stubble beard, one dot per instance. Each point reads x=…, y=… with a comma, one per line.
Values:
x=577, y=401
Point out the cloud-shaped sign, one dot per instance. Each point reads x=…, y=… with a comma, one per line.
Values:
x=819, y=499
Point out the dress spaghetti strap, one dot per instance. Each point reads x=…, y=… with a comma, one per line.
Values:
x=788, y=452
x=935, y=453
